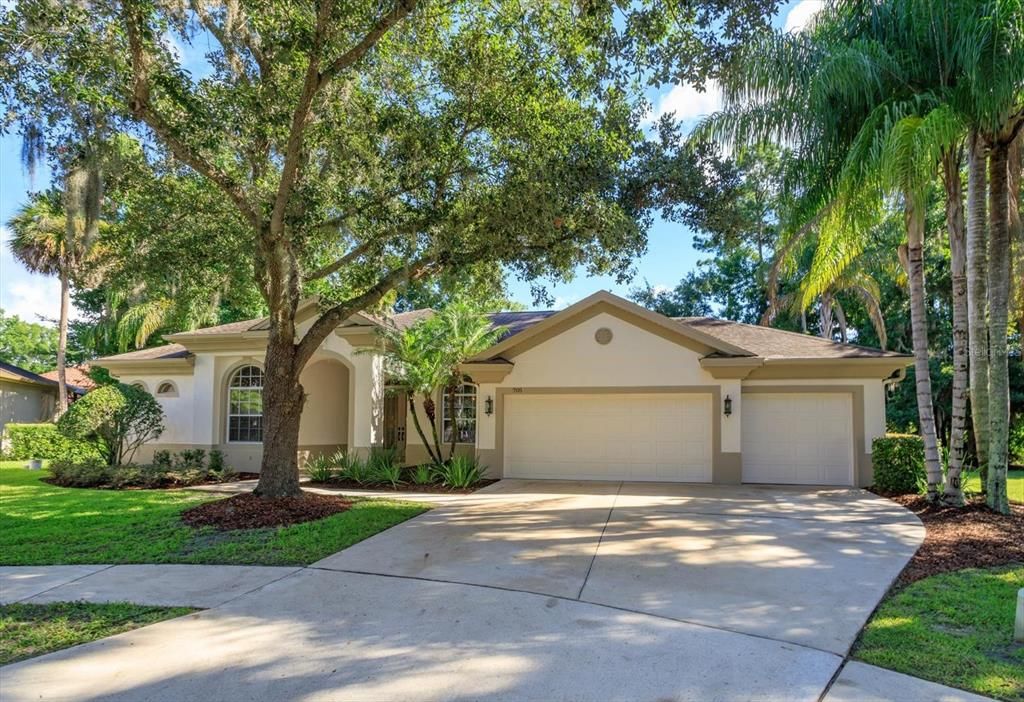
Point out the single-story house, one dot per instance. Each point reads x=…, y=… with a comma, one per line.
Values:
x=604, y=390
x=27, y=397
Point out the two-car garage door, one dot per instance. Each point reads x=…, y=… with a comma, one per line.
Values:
x=658, y=436
x=797, y=438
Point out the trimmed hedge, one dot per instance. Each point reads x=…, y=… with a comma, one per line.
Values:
x=45, y=441
x=898, y=461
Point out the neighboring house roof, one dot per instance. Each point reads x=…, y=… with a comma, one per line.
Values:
x=77, y=376
x=9, y=371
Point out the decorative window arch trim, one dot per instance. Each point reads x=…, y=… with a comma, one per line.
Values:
x=465, y=413
x=243, y=404
x=166, y=388
x=139, y=384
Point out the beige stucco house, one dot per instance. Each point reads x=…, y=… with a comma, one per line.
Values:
x=602, y=390
x=25, y=397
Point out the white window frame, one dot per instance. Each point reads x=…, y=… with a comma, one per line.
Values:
x=460, y=397
x=229, y=414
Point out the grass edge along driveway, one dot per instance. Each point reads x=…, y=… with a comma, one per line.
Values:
x=955, y=629
x=43, y=524
x=29, y=630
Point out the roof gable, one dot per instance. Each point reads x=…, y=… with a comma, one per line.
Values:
x=540, y=327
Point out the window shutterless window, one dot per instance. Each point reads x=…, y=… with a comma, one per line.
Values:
x=245, y=405
x=464, y=415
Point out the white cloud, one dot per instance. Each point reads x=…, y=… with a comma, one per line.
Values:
x=802, y=13
x=687, y=103
x=30, y=296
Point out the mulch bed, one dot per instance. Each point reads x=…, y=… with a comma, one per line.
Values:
x=401, y=487
x=969, y=537
x=251, y=512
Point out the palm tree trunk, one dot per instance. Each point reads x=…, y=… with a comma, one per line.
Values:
x=419, y=428
x=998, y=316
x=1016, y=165
x=62, y=342
x=953, y=492
x=919, y=332
x=977, y=297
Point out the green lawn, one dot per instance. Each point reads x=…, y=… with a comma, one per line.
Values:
x=28, y=630
x=955, y=629
x=43, y=524
x=1014, y=485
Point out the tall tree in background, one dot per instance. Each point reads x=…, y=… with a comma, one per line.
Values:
x=48, y=242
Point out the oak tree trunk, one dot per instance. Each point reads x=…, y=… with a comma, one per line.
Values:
x=283, y=399
x=62, y=343
x=953, y=492
x=977, y=297
x=998, y=316
x=919, y=332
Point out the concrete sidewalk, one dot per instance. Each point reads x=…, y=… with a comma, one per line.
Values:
x=164, y=585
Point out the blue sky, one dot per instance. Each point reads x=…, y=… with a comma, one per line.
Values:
x=668, y=258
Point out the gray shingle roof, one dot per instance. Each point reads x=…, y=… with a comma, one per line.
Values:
x=768, y=342
x=157, y=353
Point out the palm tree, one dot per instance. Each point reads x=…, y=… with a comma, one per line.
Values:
x=46, y=243
x=425, y=357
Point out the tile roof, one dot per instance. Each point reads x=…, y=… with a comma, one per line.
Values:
x=77, y=376
x=768, y=342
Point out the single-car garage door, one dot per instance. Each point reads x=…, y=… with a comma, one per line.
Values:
x=798, y=438
x=608, y=437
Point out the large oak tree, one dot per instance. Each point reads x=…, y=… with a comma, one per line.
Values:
x=363, y=144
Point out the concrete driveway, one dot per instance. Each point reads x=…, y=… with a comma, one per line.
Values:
x=535, y=591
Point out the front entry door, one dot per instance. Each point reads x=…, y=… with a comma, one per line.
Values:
x=395, y=404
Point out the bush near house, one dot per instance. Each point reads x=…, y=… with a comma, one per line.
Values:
x=168, y=470
x=121, y=417
x=898, y=461
x=27, y=441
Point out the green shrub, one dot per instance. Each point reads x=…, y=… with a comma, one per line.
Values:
x=460, y=472
x=94, y=473
x=352, y=467
x=898, y=461
x=122, y=417
x=320, y=469
x=1017, y=440
x=384, y=467
x=191, y=459
x=216, y=462
x=45, y=441
x=91, y=472
x=421, y=475
x=162, y=458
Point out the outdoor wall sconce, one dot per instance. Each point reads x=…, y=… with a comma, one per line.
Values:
x=489, y=406
x=727, y=405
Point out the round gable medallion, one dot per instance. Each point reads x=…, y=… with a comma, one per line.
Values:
x=603, y=335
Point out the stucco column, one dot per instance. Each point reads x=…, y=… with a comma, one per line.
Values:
x=731, y=425
x=204, y=401
x=366, y=423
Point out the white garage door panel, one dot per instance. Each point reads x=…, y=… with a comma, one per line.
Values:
x=798, y=438
x=608, y=437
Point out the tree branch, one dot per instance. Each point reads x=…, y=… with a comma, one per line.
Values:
x=334, y=316
x=141, y=107
x=337, y=265
x=401, y=9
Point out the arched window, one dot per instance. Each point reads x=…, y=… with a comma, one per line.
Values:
x=245, y=405
x=464, y=416
x=140, y=385
x=166, y=389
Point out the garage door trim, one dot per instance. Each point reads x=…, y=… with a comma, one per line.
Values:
x=713, y=390
x=861, y=458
